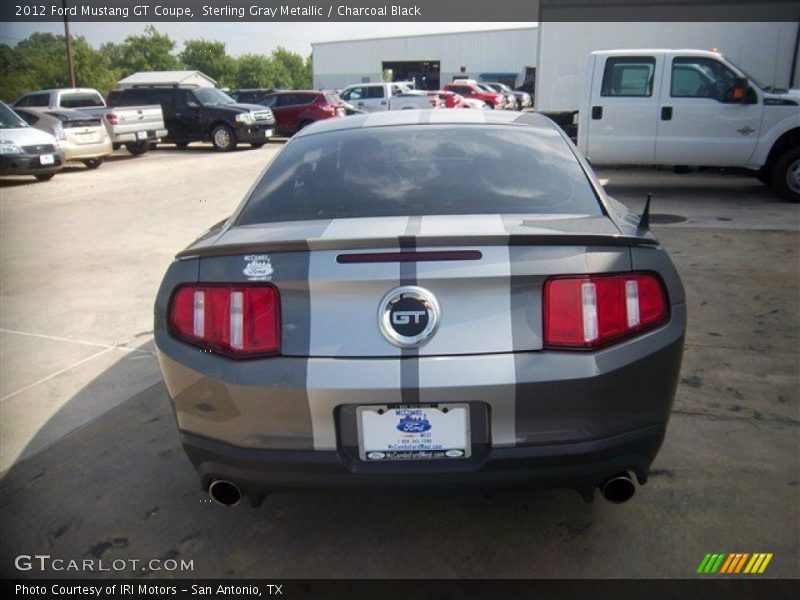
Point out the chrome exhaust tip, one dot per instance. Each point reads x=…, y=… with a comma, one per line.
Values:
x=618, y=488
x=224, y=492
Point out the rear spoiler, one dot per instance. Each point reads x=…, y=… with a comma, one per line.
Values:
x=460, y=241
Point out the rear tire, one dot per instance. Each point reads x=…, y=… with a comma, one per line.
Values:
x=92, y=163
x=786, y=175
x=45, y=176
x=137, y=148
x=223, y=138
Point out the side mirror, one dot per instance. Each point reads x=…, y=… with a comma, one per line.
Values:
x=739, y=91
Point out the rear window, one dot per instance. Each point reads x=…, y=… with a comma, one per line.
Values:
x=80, y=100
x=421, y=170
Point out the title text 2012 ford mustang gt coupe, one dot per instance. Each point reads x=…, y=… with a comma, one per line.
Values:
x=423, y=299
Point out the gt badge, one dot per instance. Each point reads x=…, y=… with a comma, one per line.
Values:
x=408, y=316
x=258, y=267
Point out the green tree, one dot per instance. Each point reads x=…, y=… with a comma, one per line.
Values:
x=294, y=66
x=40, y=62
x=255, y=71
x=210, y=58
x=151, y=51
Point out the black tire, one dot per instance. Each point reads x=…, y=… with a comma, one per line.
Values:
x=223, y=138
x=257, y=144
x=45, y=176
x=786, y=175
x=764, y=175
x=92, y=163
x=181, y=145
x=137, y=148
x=490, y=106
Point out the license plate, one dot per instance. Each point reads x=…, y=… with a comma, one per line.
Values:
x=47, y=159
x=268, y=133
x=142, y=135
x=85, y=138
x=413, y=432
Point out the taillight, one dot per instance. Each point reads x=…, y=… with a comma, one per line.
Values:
x=112, y=118
x=235, y=320
x=589, y=311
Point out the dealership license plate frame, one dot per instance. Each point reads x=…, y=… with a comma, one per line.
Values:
x=440, y=411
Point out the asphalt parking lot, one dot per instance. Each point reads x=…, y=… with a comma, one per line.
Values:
x=92, y=467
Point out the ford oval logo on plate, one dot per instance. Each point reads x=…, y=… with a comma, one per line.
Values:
x=413, y=424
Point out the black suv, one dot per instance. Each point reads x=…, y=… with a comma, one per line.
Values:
x=199, y=114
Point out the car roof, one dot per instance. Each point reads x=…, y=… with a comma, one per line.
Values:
x=429, y=117
x=64, y=90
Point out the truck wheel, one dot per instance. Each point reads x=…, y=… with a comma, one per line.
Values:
x=223, y=138
x=137, y=148
x=92, y=163
x=786, y=175
x=45, y=176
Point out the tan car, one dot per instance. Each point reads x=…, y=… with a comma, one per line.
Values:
x=82, y=137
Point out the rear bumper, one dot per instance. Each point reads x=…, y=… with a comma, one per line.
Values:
x=74, y=151
x=136, y=136
x=580, y=466
x=29, y=164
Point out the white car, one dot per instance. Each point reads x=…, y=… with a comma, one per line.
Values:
x=82, y=137
x=377, y=97
x=25, y=150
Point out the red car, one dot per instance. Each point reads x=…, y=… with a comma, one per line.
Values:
x=470, y=90
x=450, y=99
x=294, y=110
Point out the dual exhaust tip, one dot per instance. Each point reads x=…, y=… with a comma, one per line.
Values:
x=224, y=492
x=616, y=489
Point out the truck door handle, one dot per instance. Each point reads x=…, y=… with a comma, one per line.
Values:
x=597, y=113
x=666, y=113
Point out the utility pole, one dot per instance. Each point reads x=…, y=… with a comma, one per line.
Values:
x=70, y=68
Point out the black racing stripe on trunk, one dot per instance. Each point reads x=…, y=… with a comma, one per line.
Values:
x=409, y=363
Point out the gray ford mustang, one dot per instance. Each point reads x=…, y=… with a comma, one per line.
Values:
x=429, y=299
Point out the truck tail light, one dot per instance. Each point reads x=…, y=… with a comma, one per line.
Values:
x=590, y=311
x=112, y=118
x=240, y=321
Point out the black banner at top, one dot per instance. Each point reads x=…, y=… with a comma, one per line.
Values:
x=397, y=10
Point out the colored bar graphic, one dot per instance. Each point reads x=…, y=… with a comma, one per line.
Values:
x=717, y=564
x=702, y=567
x=735, y=563
x=765, y=563
x=727, y=563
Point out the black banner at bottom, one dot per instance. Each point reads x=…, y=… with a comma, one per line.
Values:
x=407, y=589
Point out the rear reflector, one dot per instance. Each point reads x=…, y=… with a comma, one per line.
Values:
x=589, y=311
x=235, y=320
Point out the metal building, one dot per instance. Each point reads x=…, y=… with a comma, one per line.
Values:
x=432, y=60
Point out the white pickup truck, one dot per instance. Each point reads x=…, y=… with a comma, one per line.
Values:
x=135, y=127
x=688, y=107
x=376, y=97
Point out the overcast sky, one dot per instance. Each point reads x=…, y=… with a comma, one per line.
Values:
x=241, y=38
